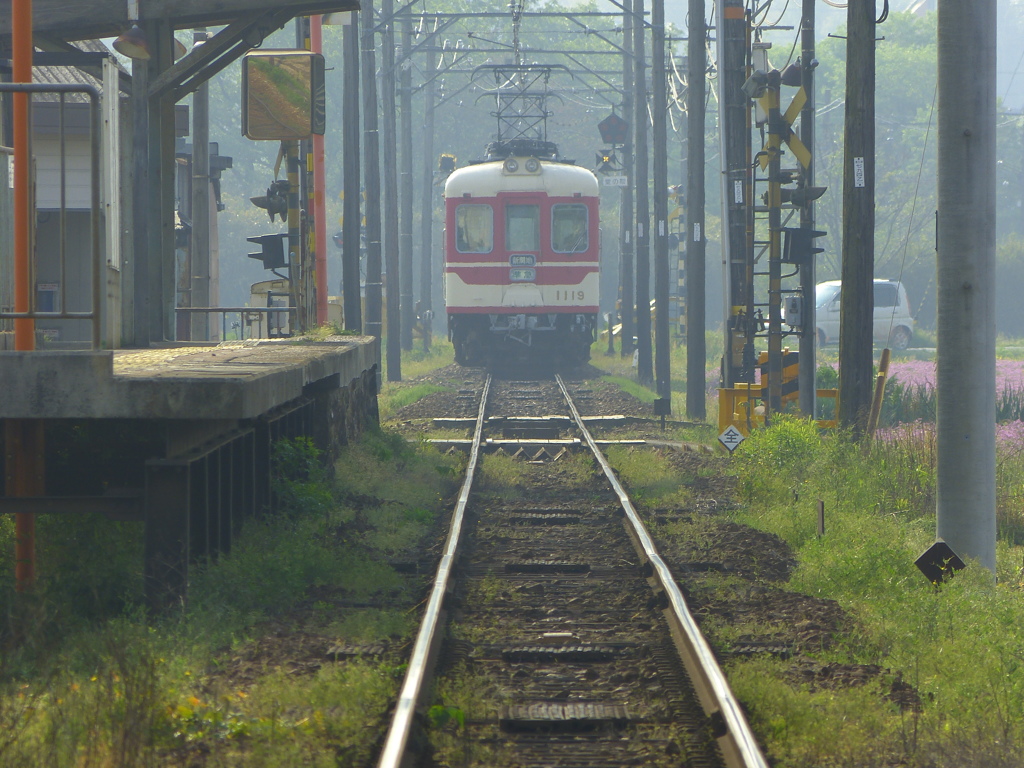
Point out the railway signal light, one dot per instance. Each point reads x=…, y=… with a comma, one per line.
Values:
x=802, y=196
x=446, y=164
x=271, y=250
x=607, y=162
x=614, y=130
x=799, y=247
x=276, y=199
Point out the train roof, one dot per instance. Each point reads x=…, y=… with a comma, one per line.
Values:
x=489, y=178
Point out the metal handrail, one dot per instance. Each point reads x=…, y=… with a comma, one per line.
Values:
x=225, y=311
x=95, y=314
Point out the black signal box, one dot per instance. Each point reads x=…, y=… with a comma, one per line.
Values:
x=271, y=250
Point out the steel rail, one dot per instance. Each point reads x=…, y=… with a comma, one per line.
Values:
x=735, y=739
x=428, y=636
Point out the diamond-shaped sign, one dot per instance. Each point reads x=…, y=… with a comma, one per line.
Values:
x=731, y=437
x=614, y=130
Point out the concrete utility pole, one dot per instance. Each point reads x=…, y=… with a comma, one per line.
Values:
x=390, y=201
x=696, y=350
x=807, y=357
x=733, y=47
x=965, y=381
x=200, y=277
x=406, y=187
x=371, y=175
x=644, y=371
x=351, y=222
x=856, y=379
x=627, y=309
x=660, y=147
x=427, y=196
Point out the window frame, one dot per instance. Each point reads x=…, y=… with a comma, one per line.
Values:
x=458, y=228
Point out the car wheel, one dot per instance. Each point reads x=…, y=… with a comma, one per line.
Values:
x=899, y=338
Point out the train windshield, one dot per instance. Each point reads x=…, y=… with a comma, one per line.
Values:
x=522, y=227
x=474, y=229
x=569, y=228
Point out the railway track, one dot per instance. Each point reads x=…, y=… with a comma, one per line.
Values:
x=554, y=634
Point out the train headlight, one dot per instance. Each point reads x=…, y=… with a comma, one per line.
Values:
x=511, y=165
x=532, y=165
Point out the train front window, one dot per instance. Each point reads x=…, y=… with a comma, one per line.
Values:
x=569, y=228
x=474, y=229
x=522, y=227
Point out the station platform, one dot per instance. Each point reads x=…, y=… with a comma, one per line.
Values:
x=181, y=438
x=232, y=380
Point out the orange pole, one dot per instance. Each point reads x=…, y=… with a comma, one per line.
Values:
x=21, y=444
x=319, y=188
x=21, y=43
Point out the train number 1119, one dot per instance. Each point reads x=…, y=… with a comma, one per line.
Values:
x=568, y=295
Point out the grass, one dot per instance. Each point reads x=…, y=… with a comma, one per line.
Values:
x=958, y=646
x=205, y=686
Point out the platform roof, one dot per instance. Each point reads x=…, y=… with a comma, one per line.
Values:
x=88, y=19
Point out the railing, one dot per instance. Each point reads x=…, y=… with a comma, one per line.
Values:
x=249, y=318
x=62, y=313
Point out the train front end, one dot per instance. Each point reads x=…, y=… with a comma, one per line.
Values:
x=522, y=256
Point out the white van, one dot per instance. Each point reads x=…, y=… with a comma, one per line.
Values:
x=893, y=324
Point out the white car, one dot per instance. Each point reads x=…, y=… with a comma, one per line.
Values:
x=893, y=323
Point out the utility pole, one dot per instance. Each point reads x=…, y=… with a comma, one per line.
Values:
x=318, y=208
x=200, y=272
x=808, y=335
x=371, y=175
x=390, y=202
x=644, y=371
x=351, y=225
x=733, y=46
x=856, y=380
x=406, y=187
x=660, y=146
x=696, y=345
x=627, y=239
x=776, y=128
x=965, y=375
x=427, y=197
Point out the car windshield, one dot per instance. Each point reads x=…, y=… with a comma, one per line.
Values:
x=824, y=293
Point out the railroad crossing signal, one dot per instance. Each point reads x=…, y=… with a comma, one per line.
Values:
x=792, y=140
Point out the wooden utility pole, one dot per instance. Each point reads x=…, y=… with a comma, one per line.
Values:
x=627, y=231
x=696, y=350
x=371, y=175
x=390, y=202
x=965, y=381
x=856, y=380
x=351, y=224
x=660, y=146
x=808, y=334
x=406, y=187
x=644, y=371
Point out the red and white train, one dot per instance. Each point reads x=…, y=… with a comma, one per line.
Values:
x=522, y=256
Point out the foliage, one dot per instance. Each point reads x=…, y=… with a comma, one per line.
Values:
x=956, y=646
x=135, y=691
